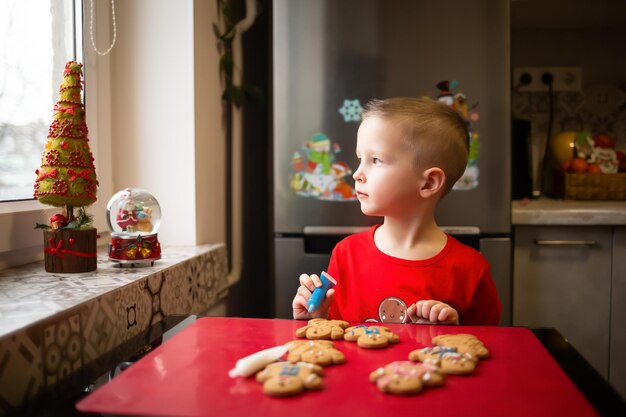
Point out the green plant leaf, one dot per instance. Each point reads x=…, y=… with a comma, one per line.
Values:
x=71, y=225
x=228, y=36
x=232, y=94
x=82, y=221
x=42, y=226
x=226, y=64
x=227, y=95
x=216, y=31
x=228, y=17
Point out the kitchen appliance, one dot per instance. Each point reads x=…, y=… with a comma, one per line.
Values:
x=522, y=183
x=330, y=58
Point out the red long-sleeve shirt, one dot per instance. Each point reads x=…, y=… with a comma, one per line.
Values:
x=458, y=276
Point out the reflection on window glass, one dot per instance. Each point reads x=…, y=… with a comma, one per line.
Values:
x=36, y=39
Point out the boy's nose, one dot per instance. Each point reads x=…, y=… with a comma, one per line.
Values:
x=358, y=175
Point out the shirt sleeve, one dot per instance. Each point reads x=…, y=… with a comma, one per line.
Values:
x=485, y=307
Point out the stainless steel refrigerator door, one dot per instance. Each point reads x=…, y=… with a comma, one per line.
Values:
x=326, y=51
x=497, y=251
x=314, y=71
x=291, y=260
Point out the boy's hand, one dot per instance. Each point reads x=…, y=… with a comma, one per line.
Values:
x=300, y=303
x=432, y=311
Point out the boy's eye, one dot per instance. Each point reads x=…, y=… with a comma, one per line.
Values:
x=376, y=161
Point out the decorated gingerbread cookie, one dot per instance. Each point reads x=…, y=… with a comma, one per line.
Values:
x=446, y=358
x=370, y=337
x=323, y=329
x=464, y=343
x=404, y=377
x=319, y=352
x=283, y=379
x=392, y=310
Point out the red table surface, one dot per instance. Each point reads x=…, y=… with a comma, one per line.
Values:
x=188, y=376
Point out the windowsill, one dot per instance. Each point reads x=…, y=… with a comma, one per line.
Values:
x=22, y=206
x=76, y=327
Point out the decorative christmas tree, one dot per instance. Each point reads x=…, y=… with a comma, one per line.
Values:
x=67, y=178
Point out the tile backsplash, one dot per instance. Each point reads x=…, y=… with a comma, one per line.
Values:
x=598, y=108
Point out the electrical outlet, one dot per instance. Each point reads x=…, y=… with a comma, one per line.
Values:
x=565, y=78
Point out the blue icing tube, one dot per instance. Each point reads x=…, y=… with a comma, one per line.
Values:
x=318, y=295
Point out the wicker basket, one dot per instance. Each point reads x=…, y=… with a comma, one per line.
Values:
x=595, y=186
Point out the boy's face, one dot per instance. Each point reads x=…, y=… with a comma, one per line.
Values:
x=387, y=183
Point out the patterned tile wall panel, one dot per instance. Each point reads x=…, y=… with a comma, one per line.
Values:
x=58, y=332
x=597, y=108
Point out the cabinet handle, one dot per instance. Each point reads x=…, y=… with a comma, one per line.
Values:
x=541, y=242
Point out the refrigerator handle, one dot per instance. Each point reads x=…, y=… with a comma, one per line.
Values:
x=348, y=230
x=460, y=230
x=541, y=242
x=333, y=230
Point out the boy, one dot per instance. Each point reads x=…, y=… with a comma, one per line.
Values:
x=411, y=153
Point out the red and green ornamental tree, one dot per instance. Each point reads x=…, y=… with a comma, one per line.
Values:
x=67, y=175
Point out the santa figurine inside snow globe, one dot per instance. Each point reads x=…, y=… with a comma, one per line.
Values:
x=134, y=216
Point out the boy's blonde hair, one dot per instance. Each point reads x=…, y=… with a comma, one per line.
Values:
x=436, y=133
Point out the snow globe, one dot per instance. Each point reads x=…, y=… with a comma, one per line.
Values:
x=134, y=216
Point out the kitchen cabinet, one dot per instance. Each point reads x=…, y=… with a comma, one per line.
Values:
x=562, y=278
x=617, y=359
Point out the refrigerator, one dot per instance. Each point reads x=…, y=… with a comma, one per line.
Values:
x=330, y=57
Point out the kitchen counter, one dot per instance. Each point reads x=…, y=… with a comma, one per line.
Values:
x=546, y=211
x=59, y=332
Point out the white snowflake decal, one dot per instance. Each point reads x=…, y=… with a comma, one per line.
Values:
x=351, y=110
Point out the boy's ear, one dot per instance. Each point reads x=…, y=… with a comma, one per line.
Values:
x=433, y=181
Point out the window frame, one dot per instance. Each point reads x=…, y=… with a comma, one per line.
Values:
x=28, y=204
x=20, y=243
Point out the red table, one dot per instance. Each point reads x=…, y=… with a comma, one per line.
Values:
x=188, y=376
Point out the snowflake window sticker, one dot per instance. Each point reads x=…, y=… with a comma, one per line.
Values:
x=351, y=110
x=458, y=101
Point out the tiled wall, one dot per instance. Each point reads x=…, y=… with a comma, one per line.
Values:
x=598, y=50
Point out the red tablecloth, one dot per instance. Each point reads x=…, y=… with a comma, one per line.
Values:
x=188, y=376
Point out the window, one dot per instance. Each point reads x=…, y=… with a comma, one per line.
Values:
x=37, y=38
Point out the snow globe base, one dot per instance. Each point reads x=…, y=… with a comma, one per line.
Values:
x=132, y=249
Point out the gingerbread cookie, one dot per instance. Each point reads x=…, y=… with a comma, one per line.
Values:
x=283, y=379
x=370, y=337
x=319, y=352
x=464, y=343
x=404, y=377
x=323, y=329
x=446, y=358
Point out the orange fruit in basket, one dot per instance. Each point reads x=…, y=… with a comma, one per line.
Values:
x=579, y=165
x=566, y=166
x=594, y=169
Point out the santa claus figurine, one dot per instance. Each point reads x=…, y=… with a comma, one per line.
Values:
x=126, y=217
